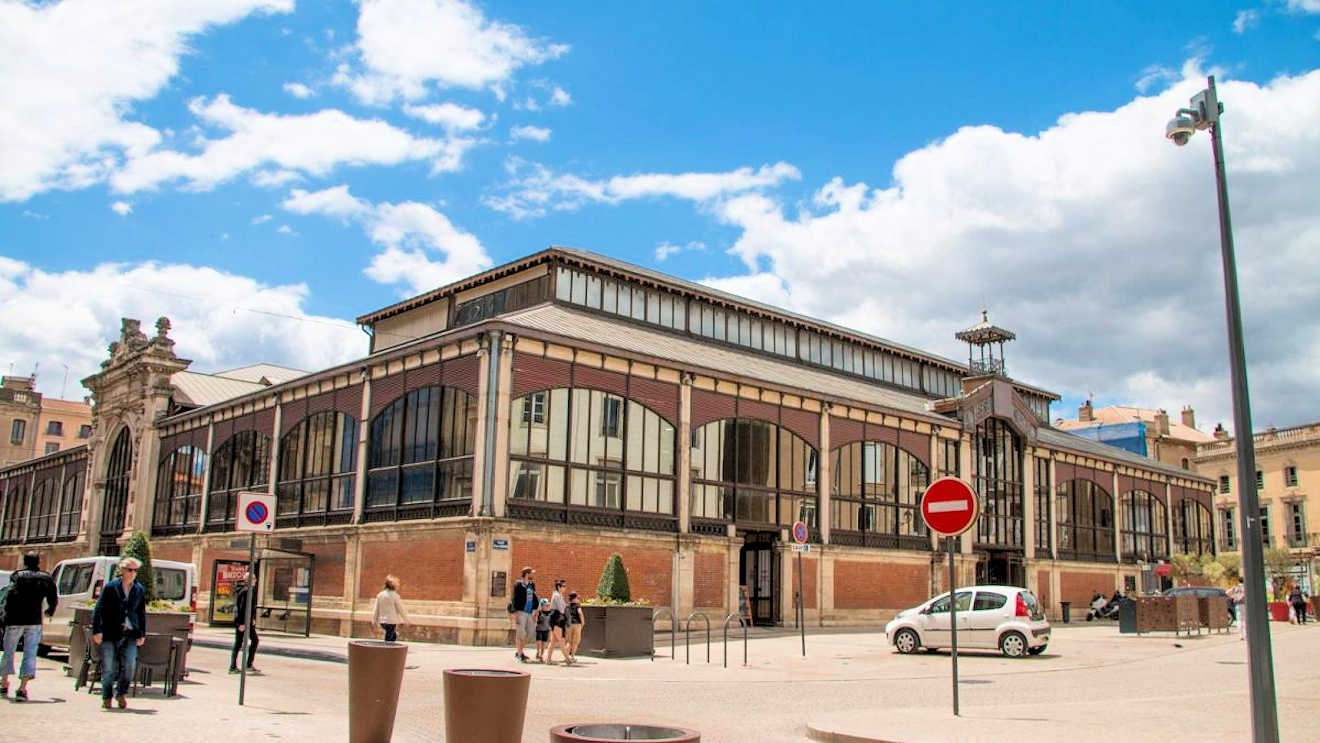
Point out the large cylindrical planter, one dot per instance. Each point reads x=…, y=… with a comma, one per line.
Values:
x=375, y=673
x=600, y=732
x=484, y=705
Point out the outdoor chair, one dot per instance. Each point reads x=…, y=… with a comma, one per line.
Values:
x=157, y=654
x=89, y=666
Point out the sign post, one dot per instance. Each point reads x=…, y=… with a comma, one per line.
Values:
x=950, y=507
x=256, y=513
x=800, y=534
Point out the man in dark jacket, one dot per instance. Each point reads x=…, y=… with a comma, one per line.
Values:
x=119, y=627
x=245, y=593
x=523, y=604
x=28, y=588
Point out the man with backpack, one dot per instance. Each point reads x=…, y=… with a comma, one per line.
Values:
x=21, y=616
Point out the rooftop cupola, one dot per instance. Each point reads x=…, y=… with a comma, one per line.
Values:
x=981, y=339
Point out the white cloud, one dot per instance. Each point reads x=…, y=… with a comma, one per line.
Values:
x=1155, y=76
x=666, y=249
x=220, y=320
x=122, y=208
x=1095, y=240
x=73, y=71
x=261, y=219
x=1244, y=20
x=411, y=233
x=312, y=144
x=560, y=97
x=1302, y=6
x=406, y=46
x=535, y=189
x=35, y=215
x=285, y=229
x=298, y=90
x=537, y=133
x=451, y=116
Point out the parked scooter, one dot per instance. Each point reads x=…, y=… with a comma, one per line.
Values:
x=1104, y=609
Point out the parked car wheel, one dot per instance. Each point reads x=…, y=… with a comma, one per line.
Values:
x=1037, y=651
x=907, y=641
x=1013, y=644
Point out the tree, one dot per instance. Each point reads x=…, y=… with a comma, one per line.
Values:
x=1186, y=568
x=613, y=584
x=1232, y=564
x=1278, y=564
x=1212, y=570
x=138, y=547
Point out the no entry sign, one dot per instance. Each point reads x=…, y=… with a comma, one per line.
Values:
x=949, y=506
x=256, y=512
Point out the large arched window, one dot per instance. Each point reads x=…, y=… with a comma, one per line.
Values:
x=71, y=503
x=998, y=465
x=753, y=473
x=41, y=522
x=179, y=491
x=876, y=496
x=1144, y=531
x=1192, y=528
x=114, y=507
x=587, y=456
x=420, y=456
x=16, y=504
x=240, y=464
x=318, y=465
x=1086, y=522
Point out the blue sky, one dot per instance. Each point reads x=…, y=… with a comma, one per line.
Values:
x=263, y=171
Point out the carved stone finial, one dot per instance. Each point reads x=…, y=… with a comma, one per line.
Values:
x=162, y=326
x=131, y=335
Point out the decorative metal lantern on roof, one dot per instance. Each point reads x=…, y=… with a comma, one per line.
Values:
x=981, y=339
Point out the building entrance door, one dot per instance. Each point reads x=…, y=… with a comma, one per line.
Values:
x=758, y=571
x=1001, y=568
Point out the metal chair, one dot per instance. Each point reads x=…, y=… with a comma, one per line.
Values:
x=89, y=668
x=156, y=654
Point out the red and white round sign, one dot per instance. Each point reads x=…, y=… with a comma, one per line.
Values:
x=950, y=506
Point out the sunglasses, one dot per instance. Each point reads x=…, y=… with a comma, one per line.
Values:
x=128, y=570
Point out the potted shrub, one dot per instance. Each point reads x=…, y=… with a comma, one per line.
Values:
x=616, y=626
x=1278, y=563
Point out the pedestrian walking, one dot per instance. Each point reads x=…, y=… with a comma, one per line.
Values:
x=247, y=591
x=558, y=624
x=28, y=589
x=119, y=627
x=389, y=613
x=542, y=618
x=1237, y=595
x=523, y=605
x=1298, y=599
x=576, y=620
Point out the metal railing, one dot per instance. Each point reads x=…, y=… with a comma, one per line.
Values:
x=673, y=629
x=687, y=635
x=742, y=624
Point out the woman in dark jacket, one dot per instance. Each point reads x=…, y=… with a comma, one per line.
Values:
x=119, y=626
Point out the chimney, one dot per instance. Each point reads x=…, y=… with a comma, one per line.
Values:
x=1084, y=413
x=1221, y=433
x=1188, y=416
x=1162, y=422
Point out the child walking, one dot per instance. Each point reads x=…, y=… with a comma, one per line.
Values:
x=542, y=618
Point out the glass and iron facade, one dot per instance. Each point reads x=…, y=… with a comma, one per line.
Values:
x=752, y=473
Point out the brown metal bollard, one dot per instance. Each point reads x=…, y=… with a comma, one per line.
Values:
x=484, y=705
x=375, y=674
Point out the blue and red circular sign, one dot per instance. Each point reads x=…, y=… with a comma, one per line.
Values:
x=800, y=532
x=256, y=512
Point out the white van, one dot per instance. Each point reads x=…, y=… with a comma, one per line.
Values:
x=79, y=581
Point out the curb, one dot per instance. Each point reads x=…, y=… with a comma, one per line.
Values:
x=325, y=656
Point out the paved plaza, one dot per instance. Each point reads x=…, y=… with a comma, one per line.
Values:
x=851, y=687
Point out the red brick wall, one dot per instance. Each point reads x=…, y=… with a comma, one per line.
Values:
x=874, y=585
x=810, y=566
x=1043, y=587
x=329, y=577
x=708, y=579
x=430, y=570
x=650, y=571
x=1080, y=587
x=175, y=552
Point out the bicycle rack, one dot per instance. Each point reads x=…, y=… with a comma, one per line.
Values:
x=673, y=630
x=725, y=628
x=687, y=635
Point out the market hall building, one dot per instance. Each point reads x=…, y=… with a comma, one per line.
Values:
x=567, y=406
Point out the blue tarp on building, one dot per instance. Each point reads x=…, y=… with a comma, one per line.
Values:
x=1128, y=436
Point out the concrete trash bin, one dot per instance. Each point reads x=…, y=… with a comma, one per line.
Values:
x=612, y=731
x=375, y=674
x=484, y=705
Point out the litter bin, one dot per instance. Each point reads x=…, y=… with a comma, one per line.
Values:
x=1066, y=606
x=617, y=732
x=1127, y=616
x=375, y=673
x=484, y=705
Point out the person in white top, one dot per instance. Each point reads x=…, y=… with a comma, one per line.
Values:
x=389, y=612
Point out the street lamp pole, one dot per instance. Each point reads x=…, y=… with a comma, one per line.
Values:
x=1204, y=114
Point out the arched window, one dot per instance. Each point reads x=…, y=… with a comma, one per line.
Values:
x=71, y=503
x=1192, y=528
x=41, y=522
x=998, y=465
x=420, y=456
x=876, y=497
x=1086, y=522
x=587, y=456
x=241, y=463
x=753, y=473
x=318, y=465
x=16, y=504
x=115, y=504
x=179, y=491
x=1144, y=531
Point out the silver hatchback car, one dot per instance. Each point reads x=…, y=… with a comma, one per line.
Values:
x=1006, y=618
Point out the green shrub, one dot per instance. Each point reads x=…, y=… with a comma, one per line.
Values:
x=613, y=586
x=138, y=547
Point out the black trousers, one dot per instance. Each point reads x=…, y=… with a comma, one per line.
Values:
x=1300, y=610
x=253, y=641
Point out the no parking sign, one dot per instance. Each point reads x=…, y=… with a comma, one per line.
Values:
x=256, y=512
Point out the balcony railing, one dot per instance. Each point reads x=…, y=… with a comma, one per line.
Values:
x=991, y=366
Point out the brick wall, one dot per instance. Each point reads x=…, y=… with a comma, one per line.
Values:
x=329, y=577
x=11, y=558
x=178, y=551
x=1043, y=588
x=708, y=579
x=810, y=566
x=1079, y=587
x=650, y=570
x=874, y=585
x=430, y=569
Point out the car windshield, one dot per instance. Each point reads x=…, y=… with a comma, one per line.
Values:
x=171, y=584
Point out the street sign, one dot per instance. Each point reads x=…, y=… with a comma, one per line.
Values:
x=256, y=512
x=949, y=506
x=500, y=544
x=800, y=532
x=801, y=548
